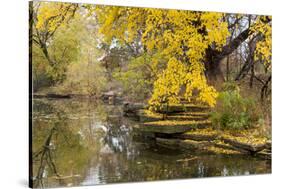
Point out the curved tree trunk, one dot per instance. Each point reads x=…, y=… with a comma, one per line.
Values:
x=213, y=70
x=214, y=57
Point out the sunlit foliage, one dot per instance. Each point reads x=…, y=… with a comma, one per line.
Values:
x=168, y=52
x=55, y=36
x=182, y=37
x=138, y=77
x=263, y=49
x=52, y=15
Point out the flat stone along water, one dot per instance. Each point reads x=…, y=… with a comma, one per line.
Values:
x=82, y=142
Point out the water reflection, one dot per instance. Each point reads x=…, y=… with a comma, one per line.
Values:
x=85, y=143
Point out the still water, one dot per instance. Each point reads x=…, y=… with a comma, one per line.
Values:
x=81, y=142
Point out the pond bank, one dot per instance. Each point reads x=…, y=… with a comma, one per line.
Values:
x=109, y=97
x=109, y=150
x=188, y=127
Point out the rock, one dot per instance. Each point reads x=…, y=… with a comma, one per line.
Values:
x=166, y=129
x=148, y=116
x=187, y=117
x=192, y=144
x=131, y=109
x=264, y=154
x=197, y=146
x=172, y=129
x=198, y=137
x=246, y=146
x=111, y=97
x=268, y=145
x=225, y=146
x=142, y=135
x=168, y=142
x=178, y=108
x=218, y=150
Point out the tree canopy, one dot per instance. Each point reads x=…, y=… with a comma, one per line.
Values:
x=193, y=44
x=182, y=50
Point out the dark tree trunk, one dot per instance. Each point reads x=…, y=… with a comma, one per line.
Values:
x=227, y=68
x=252, y=75
x=214, y=57
x=265, y=88
x=245, y=68
x=213, y=70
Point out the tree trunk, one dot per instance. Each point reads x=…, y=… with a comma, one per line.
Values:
x=214, y=57
x=227, y=68
x=214, y=73
x=213, y=70
x=264, y=90
x=252, y=75
x=46, y=53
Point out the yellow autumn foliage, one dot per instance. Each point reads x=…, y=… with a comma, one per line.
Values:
x=263, y=49
x=52, y=14
x=176, y=34
x=182, y=38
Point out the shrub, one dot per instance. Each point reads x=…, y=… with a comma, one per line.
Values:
x=235, y=112
x=137, y=79
x=230, y=86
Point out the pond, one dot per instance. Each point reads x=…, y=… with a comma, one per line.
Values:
x=83, y=142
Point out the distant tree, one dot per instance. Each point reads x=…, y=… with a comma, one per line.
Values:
x=138, y=75
x=46, y=19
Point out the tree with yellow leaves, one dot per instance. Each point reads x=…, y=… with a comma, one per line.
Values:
x=193, y=44
x=45, y=19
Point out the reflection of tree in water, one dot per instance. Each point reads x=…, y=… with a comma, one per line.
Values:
x=122, y=160
x=61, y=144
x=45, y=158
x=81, y=142
x=118, y=136
x=151, y=166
